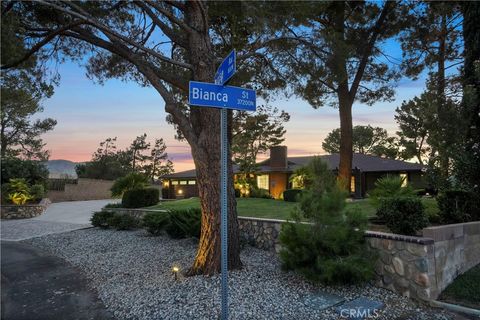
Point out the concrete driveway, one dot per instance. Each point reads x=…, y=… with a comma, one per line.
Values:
x=59, y=217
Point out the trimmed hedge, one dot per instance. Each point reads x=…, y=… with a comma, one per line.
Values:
x=458, y=206
x=403, y=215
x=139, y=198
x=292, y=195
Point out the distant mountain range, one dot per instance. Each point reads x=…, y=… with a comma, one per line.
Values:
x=60, y=168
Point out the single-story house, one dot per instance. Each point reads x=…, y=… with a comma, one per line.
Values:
x=274, y=174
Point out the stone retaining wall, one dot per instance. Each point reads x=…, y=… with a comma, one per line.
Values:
x=24, y=211
x=456, y=250
x=416, y=267
x=405, y=264
x=137, y=213
x=260, y=233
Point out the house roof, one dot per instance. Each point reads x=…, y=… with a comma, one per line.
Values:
x=363, y=162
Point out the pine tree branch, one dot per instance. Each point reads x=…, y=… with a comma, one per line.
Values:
x=39, y=45
x=377, y=29
x=176, y=37
x=109, y=31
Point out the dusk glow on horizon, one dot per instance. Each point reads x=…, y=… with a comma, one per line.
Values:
x=88, y=113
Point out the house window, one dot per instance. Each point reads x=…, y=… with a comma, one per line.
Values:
x=192, y=182
x=183, y=182
x=352, y=184
x=404, y=178
x=262, y=182
x=174, y=182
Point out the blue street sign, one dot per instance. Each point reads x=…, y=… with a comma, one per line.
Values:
x=227, y=68
x=205, y=94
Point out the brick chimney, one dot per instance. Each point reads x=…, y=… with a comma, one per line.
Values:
x=278, y=157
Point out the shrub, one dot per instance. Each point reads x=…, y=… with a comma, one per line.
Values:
x=260, y=193
x=403, y=215
x=155, y=222
x=330, y=249
x=292, y=195
x=131, y=181
x=184, y=223
x=5, y=191
x=138, y=198
x=177, y=223
x=123, y=221
x=113, y=205
x=18, y=198
x=34, y=172
x=389, y=186
x=19, y=185
x=18, y=191
x=237, y=193
x=101, y=219
x=37, y=191
x=458, y=206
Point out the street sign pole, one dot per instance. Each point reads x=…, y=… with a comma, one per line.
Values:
x=224, y=213
x=202, y=94
x=224, y=208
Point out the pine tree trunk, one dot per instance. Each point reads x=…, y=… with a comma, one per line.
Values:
x=206, y=155
x=339, y=68
x=441, y=100
x=346, y=147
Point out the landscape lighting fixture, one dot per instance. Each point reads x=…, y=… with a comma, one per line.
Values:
x=175, y=272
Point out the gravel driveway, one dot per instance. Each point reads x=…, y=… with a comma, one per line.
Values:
x=59, y=217
x=132, y=273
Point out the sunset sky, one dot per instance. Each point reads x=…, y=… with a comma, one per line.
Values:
x=87, y=113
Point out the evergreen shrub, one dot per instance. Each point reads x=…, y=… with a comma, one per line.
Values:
x=292, y=195
x=101, y=219
x=403, y=215
x=456, y=206
x=123, y=221
x=176, y=223
x=330, y=248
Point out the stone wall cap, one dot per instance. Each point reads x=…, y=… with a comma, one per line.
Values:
x=22, y=205
x=134, y=209
x=261, y=219
x=398, y=237
x=453, y=225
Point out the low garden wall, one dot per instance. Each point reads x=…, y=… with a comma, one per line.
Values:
x=137, y=213
x=260, y=233
x=416, y=267
x=24, y=211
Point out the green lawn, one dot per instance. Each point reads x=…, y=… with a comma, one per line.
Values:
x=251, y=207
x=278, y=209
x=465, y=290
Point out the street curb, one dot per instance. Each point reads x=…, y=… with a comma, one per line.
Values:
x=455, y=308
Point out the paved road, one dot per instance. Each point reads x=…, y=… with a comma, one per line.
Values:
x=59, y=217
x=36, y=285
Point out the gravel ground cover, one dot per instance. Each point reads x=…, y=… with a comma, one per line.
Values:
x=132, y=273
